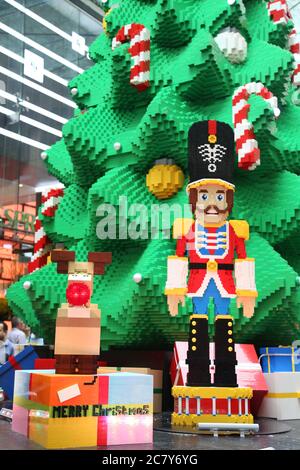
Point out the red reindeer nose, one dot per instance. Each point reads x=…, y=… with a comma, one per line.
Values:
x=78, y=294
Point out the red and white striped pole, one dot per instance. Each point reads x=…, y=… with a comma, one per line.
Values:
x=42, y=243
x=246, y=143
x=50, y=201
x=42, y=247
x=139, y=49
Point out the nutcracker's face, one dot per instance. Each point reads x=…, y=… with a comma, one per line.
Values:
x=212, y=207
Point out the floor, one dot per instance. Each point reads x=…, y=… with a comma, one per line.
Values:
x=175, y=441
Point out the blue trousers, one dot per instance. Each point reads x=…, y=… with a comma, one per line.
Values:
x=221, y=303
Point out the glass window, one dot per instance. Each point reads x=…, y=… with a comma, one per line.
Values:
x=36, y=63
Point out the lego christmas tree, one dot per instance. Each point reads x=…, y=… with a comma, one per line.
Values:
x=127, y=144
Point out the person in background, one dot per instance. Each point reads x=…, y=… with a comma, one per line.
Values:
x=6, y=346
x=27, y=331
x=17, y=335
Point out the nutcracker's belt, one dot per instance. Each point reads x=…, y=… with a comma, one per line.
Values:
x=211, y=265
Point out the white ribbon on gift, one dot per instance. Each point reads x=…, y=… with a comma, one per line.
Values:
x=179, y=365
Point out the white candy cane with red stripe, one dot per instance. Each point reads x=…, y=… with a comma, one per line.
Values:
x=42, y=243
x=139, y=49
x=279, y=12
x=42, y=247
x=246, y=143
x=50, y=201
x=294, y=46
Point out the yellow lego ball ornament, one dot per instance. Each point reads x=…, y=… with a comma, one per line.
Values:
x=164, y=179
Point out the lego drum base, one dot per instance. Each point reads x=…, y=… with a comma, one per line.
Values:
x=213, y=409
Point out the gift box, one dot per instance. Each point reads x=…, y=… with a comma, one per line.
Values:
x=41, y=364
x=22, y=403
x=24, y=360
x=280, y=359
x=65, y=411
x=248, y=369
x=283, y=398
x=43, y=351
x=157, y=381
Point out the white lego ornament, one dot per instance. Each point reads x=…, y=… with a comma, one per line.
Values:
x=137, y=277
x=117, y=146
x=44, y=155
x=27, y=285
x=74, y=91
x=233, y=45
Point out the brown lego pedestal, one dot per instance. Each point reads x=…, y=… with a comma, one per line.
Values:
x=77, y=339
x=76, y=364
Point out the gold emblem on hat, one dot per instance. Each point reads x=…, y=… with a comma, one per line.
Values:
x=212, y=139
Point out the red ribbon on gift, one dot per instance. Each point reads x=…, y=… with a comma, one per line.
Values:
x=14, y=363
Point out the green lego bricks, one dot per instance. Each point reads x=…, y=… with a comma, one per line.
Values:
x=117, y=134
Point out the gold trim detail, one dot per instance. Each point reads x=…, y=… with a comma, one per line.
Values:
x=205, y=181
x=246, y=293
x=190, y=420
x=211, y=392
x=181, y=227
x=241, y=228
x=176, y=291
x=212, y=139
x=241, y=260
x=212, y=265
x=224, y=317
x=193, y=317
x=283, y=395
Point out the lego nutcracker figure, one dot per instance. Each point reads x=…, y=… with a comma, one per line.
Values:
x=212, y=250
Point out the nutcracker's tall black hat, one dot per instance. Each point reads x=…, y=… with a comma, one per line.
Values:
x=211, y=154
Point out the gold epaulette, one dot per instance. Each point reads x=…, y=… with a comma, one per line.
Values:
x=181, y=227
x=241, y=228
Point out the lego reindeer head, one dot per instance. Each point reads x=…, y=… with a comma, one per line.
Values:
x=80, y=274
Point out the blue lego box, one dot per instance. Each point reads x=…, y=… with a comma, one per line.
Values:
x=280, y=359
x=22, y=361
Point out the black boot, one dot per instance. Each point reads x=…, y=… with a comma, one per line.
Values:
x=198, y=352
x=225, y=357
